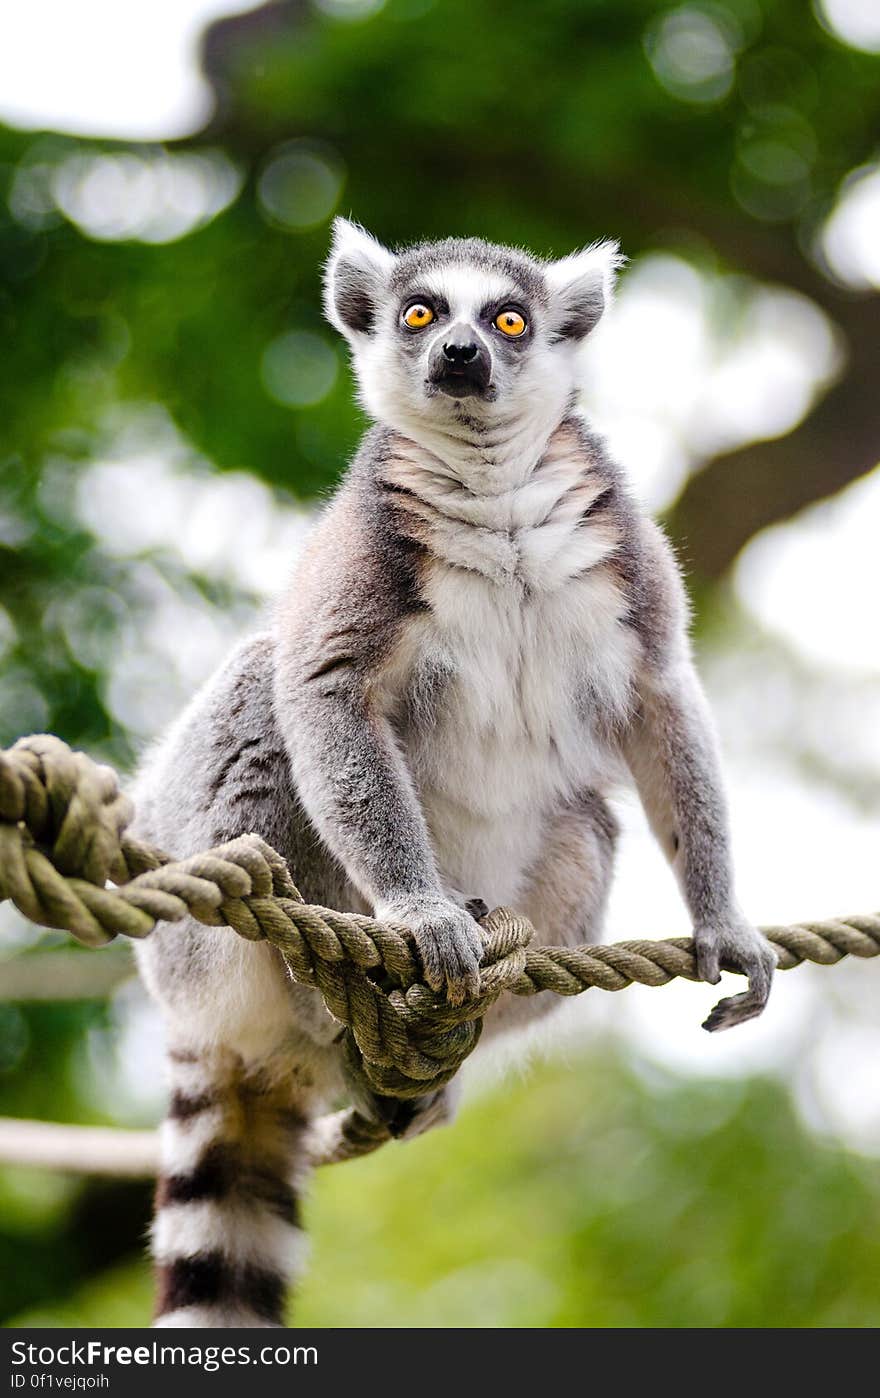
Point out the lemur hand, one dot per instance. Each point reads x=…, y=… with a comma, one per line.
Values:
x=448, y=939
x=735, y=945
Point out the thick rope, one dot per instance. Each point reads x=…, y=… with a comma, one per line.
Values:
x=63, y=824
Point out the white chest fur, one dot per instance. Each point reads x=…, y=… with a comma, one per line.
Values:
x=522, y=666
x=529, y=687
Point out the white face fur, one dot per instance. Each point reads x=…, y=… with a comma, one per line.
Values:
x=462, y=345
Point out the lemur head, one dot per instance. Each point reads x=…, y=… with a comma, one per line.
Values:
x=462, y=332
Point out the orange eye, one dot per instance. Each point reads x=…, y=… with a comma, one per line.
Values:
x=418, y=316
x=510, y=323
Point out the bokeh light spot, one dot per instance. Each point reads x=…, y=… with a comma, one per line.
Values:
x=150, y=197
x=300, y=185
x=850, y=240
x=857, y=22
x=349, y=9
x=774, y=161
x=692, y=52
x=299, y=369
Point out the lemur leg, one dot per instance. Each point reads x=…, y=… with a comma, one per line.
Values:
x=565, y=895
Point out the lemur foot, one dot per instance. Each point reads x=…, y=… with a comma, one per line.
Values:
x=736, y=946
x=406, y=1119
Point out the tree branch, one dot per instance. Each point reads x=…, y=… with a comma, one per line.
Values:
x=737, y=494
x=64, y=975
x=80, y=1150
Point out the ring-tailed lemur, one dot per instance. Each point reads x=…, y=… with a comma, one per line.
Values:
x=483, y=636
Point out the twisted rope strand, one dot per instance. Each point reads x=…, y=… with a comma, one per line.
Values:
x=63, y=840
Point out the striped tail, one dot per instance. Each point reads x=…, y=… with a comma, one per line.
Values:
x=227, y=1238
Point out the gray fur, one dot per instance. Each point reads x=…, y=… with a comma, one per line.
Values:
x=484, y=635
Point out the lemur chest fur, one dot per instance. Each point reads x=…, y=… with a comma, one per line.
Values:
x=521, y=667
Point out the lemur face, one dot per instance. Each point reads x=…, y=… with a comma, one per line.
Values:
x=464, y=326
x=461, y=319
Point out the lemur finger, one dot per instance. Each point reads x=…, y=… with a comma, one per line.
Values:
x=759, y=964
x=458, y=991
x=464, y=981
x=708, y=961
x=435, y=973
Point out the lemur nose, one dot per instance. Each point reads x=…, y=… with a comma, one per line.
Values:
x=458, y=353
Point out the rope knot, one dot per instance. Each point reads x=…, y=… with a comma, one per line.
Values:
x=402, y=1039
x=71, y=806
x=62, y=820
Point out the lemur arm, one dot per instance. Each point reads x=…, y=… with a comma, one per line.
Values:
x=672, y=752
x=357, y=791
x=333, y=692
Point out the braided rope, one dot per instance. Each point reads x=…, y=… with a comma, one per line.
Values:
x=63, y=840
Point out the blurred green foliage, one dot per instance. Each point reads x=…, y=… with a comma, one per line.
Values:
x=592, y=1195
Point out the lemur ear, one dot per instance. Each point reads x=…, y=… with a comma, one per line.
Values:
x=355, y=278
x=581, y=287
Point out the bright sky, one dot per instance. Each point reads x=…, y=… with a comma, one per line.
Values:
x=105, y=68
